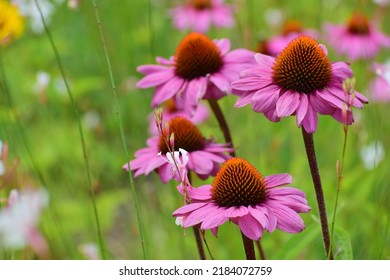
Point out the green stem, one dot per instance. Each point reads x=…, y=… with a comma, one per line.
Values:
x=339, y=183
x=116, y=105
x=77, y=115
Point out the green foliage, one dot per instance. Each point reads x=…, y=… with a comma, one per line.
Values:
x=41, y=131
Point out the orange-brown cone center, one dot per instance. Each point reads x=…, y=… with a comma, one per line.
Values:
x=186, y=136
x=197, y=56
x=358, y=24
x=302, y=66
x=201, y=4
x=238, y=183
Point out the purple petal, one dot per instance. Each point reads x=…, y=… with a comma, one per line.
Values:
x=156, y=78
x=151, y=68
x=214, y=219
x=250, y=83
x=186, y=209
x=199, y=163
x=288, y=219
x=250, y=227
x=310, y=121
x=287, y=103
x=166, y=91
x=278, y=180
x=302, y=109
x=234, y=211
x=264, y=60
x=243, y=100
x=198, y=215
x=201, y=193
x=259, y=213
x=265, y=99
x=220, y=82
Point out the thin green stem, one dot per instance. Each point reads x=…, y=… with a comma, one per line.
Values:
x=116, y=106
x=261, y=250
x=78, y=119
x=151, y=32
x=312, y=160
x=198, y=240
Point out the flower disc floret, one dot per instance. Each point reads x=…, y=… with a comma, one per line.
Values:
x=186, y=136
x=197, y=56
x=238, y=183
x=302, y=66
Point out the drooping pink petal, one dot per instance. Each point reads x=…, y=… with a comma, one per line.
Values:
x=287, y=103
x=250, y=227
x=236, y=211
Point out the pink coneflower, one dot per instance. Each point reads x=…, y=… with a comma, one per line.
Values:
x=205, y=156
x=300, y=81
x=200, y=68
x=291, y=30
x=358, y=39
x=200, y=15
x=170, y=111
x=241, y=194
x=380, y=87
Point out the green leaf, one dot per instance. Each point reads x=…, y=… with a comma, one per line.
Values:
x=342, y=245
x=298, y=242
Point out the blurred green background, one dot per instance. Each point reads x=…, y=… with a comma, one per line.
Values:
x=42, y=133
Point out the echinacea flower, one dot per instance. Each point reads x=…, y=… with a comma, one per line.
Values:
x=200, y=15
x=170, y=110
x=205, y=156
x=380, y=86
x=358, y=39
x=241, y=194
x=200, y=68
x=11, y=22
x=291, y=29
x=300, y=81
x=19, y=220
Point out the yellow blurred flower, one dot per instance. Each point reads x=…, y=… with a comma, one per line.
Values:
x=11, y=22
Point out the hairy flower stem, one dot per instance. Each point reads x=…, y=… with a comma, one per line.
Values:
x=311, y=157
x=249, y=248
x=199, y=243
x=198, y=237
x=222, y=123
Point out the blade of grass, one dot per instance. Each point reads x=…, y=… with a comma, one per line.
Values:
x=116, y=107
x=78, y=119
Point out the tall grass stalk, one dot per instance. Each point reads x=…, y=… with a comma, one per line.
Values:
x=116, y=107
x=78, y=119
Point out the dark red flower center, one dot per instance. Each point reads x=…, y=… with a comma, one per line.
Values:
x=201, y=4
x=186, y=136
x=238, y=183
x=302, y=66
x=358, y=24
x=292, y=26
x=196, y=56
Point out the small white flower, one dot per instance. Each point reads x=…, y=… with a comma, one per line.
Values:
x=18, y=221
x=175, y=161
